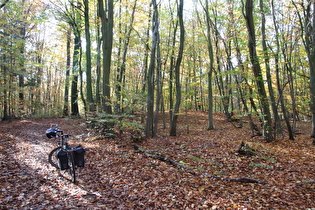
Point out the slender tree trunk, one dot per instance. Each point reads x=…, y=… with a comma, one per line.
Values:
x=172, y=67
x=118, y=102
x=85, y=106
x=158, y=86
x=253, y=126
x=146, y=56
x=267, y=121
x=277, y=68
x=310, y=40
x=268, y=71
x=66, y=96
x=149, y=131
x=74, y=84
x=122, y=66
x=22, y=60
x=177, y=69
x=4, y=82
x=210, y=71
x=89, y=92
x=98, y=67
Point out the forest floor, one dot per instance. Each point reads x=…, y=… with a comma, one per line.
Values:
x=116, y=176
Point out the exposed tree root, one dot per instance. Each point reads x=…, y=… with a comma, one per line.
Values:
x=155, y=155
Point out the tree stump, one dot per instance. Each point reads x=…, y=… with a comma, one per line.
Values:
x=246, y=150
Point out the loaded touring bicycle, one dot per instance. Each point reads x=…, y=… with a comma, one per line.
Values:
x=64, y=157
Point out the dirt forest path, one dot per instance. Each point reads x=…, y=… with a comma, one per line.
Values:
x=118, y=177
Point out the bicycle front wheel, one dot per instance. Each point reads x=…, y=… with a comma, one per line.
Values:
x=71, y=166
x=52, y=157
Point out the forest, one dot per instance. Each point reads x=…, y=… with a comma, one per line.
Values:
x=241, y=58
x=185, y=84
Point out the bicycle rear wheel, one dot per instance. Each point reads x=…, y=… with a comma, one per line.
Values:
x=71, y=166
x=52, y=157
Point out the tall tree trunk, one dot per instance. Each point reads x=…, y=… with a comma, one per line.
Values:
x=149, y=131
x=158, y=86
x=74, y=84
x=177, y=69
x=307, y=24
x=22, y=37
x=4, y=82
x=98, y=65
x=85, y=106
x=268, y=71
x=107, y=38
x=122, y=67
x=89, y=92
x=172, y=67
x=267, y=121
x=118, y=101
x=66, y=96
x=210, y=71
x=277, y=68
x=310, y=44
x=145, y=64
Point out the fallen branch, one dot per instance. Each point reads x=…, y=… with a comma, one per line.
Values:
x=307, y=182
x=242, y=179
x=167, y=160
x=247, y=180
x=155, y=155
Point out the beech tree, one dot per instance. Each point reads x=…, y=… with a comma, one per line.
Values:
x=67, y=79
x=89, y=92
x=175, y=114
x=211, y=66
x=307, y=24
x=268, y=71
x=106, y=13
x=262, y=95
x=149, y=131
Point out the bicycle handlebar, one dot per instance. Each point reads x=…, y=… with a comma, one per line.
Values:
x=56, y=128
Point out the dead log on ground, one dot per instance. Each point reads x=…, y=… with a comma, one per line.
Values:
x=155, y=155
x=242, y=179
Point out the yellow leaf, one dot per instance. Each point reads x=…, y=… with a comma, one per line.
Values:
x=201, y=188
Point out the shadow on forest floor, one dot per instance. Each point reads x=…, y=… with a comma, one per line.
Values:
x=116, y=176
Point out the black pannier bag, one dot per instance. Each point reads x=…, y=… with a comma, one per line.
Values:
x=62, y=159
x=79, y=156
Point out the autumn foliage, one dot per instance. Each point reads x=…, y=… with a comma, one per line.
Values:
x=118, y=176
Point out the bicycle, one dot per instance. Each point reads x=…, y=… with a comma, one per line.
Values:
x=65, y=157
